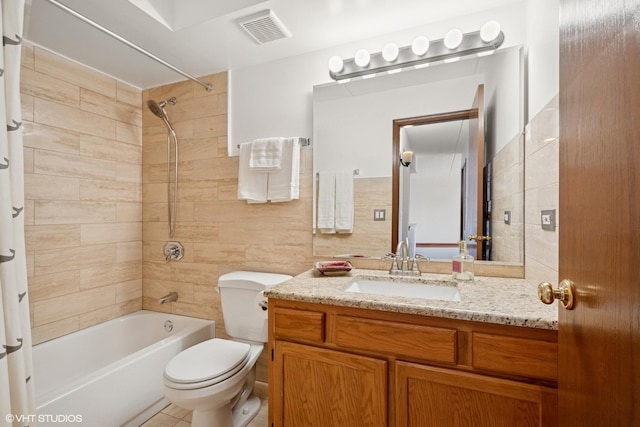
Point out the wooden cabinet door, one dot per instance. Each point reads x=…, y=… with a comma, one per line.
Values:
x=427, y=396
x=316, y=387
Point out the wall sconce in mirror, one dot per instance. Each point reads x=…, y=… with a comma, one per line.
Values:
x=405, y=158
x=420, y=53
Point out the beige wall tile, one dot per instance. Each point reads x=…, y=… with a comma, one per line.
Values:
x=129, y=94
x=128, y=172
x=126, y=291
x=107, y=274
x=62, y=307
x=26, y=107
x=55, y=114
x=129, y=251
x=28, y=160
x=109, y=149
x=129, y=133
x=71, y=212
x=112, y=191
x=54, y=261
x=28, y=60
x=51, y=138
x=70, y=165
x=72, y=72
x=109, y=107
x=92, y=234
x=44, y=86
x=42, y=187
x=128, y=212
x=53, y=285
x=208, y=127
x=44, y=237
x=69, y=152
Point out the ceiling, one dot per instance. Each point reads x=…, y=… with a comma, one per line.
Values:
x=202, y=37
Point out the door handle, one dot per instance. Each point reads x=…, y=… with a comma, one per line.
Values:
x=479, y=238
x=564, y=293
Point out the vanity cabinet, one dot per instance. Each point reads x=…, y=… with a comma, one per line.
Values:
x=344, y=366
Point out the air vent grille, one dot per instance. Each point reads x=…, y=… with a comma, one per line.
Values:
x=264, y=27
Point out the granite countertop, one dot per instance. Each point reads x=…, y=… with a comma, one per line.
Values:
x=487, y=299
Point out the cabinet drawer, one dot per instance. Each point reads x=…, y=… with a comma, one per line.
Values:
x=401, y=339
x=519, y=356
x=299, y=325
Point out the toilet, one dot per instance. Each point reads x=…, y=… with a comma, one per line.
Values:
x=215, y=378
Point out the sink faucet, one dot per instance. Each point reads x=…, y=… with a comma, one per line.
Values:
x=172, y=296
x=402, y=251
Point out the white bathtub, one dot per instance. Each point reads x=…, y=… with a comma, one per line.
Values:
x=111, y=374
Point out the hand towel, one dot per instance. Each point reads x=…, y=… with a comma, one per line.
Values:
x=344, y=202
x=252, y=185
x=284, y=184
x=266, y=154
x=326, y=202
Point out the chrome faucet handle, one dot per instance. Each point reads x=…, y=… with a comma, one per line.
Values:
x=394, y=270
x=415, y=267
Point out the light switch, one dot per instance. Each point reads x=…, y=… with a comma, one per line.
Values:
x=548, y=220
x=507, y=217
x=379, y=214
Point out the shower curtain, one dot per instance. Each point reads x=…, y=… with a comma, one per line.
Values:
x=17, y=401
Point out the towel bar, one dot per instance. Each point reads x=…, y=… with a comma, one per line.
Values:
x=303, y=142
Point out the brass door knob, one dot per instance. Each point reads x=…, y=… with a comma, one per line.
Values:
x=564, y=293
x=479, y=238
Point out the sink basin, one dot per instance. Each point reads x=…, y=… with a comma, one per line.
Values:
x=400, y=288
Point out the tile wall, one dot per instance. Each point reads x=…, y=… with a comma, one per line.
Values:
x=508, y=195
x=219, y=232
x=375, y=236
x=83, y=191
x=541, y=193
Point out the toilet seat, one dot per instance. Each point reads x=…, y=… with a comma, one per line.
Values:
x=205, y=364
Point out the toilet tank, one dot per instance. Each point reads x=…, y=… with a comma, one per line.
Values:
x=240, y=295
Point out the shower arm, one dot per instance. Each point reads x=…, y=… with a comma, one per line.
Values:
x=207, y=86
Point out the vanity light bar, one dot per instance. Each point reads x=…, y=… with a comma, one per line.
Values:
x=471, y=43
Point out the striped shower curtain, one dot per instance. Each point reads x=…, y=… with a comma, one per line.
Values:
x=17, y=401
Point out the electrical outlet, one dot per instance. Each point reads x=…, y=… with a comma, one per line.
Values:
x=379, y=214
x=507, y=217
x=548, y=220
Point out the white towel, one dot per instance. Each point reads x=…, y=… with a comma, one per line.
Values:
x=266, y=154
x=284, y=184
x=252, y=185
x=327, y=202
x=344, y=202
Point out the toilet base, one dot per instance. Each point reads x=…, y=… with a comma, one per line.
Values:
x=243, y=414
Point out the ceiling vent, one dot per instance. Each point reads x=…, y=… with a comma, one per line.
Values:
x=264, y=27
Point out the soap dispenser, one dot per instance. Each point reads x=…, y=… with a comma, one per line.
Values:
x=462, y=264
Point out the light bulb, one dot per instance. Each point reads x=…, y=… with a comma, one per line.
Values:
x=489, y=31
x=362, y=58
x=336, y=64
x=420, y=45
x=390, y=52
x=453, y=38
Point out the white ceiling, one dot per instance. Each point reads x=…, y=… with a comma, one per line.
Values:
x=207, y=38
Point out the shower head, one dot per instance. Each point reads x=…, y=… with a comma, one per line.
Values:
x=157, y=108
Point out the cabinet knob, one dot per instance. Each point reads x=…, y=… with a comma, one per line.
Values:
x=564, y=293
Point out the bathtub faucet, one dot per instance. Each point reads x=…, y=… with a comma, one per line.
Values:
x=172, y=296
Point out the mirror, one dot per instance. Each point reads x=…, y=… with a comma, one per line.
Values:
x=353, y=131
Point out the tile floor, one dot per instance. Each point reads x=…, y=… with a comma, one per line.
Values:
x=174, y=416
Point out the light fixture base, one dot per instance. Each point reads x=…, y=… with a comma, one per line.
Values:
x=471, y=44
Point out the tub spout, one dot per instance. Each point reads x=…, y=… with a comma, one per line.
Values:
x=172, y=296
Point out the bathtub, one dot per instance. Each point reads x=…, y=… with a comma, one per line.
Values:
x=111, y=374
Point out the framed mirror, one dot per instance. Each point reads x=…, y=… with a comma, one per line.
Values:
x=353, y=131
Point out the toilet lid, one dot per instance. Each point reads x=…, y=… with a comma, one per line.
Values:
x=208, y=360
